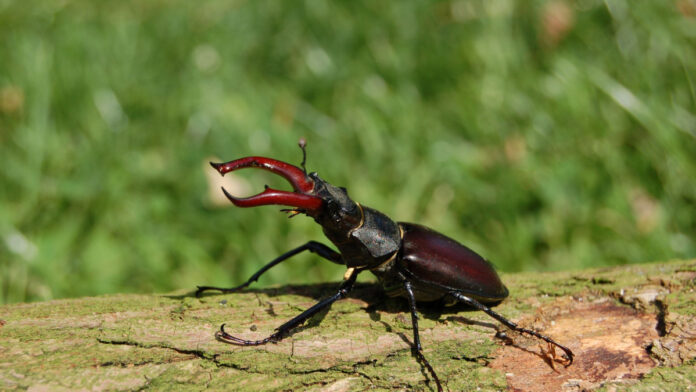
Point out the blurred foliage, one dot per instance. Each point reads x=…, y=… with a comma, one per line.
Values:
x=544, y=134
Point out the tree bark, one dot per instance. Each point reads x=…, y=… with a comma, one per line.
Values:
x=631, y=328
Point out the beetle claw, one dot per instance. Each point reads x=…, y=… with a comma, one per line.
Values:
x=228, y=195
x=302, y=197
x=223, y=336
x=216, y=166
x=297, y=178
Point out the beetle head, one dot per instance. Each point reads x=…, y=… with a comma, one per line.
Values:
x=339, y=213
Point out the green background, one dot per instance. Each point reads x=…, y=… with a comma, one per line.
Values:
x=546, y=135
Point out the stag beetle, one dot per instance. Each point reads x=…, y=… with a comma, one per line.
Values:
x=409, y=260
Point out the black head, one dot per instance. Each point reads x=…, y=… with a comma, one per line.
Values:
x=339, y=213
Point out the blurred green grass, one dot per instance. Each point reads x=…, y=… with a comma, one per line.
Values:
x=545, y=135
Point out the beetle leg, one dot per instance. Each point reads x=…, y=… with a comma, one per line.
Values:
x=312, y=246
x=285, y=329
x=510, y=324
x=417, y=349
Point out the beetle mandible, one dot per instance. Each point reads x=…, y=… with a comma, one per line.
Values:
x=409, y=260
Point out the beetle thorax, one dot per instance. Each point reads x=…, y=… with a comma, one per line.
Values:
x=364, y=236
x=369, y=244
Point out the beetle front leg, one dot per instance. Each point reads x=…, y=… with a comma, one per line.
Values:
x=476, y=304
x=417, y=348
x=285, y=329
x=312, y=246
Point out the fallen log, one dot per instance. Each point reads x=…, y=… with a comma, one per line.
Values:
x=631, y=328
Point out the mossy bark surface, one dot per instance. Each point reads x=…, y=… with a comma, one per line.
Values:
x=631, y=328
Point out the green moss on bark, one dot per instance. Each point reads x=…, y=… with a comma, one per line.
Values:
x=128, y=342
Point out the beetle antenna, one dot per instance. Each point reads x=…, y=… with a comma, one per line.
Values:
x=303, y=144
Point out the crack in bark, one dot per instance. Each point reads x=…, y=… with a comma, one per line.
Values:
x=481, y=360
x=195, y=353
x=662, y=312
x=199, y=354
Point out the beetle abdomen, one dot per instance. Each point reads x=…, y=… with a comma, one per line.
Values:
x=437, y=258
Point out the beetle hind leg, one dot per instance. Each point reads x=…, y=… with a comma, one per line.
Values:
x=476, y=304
